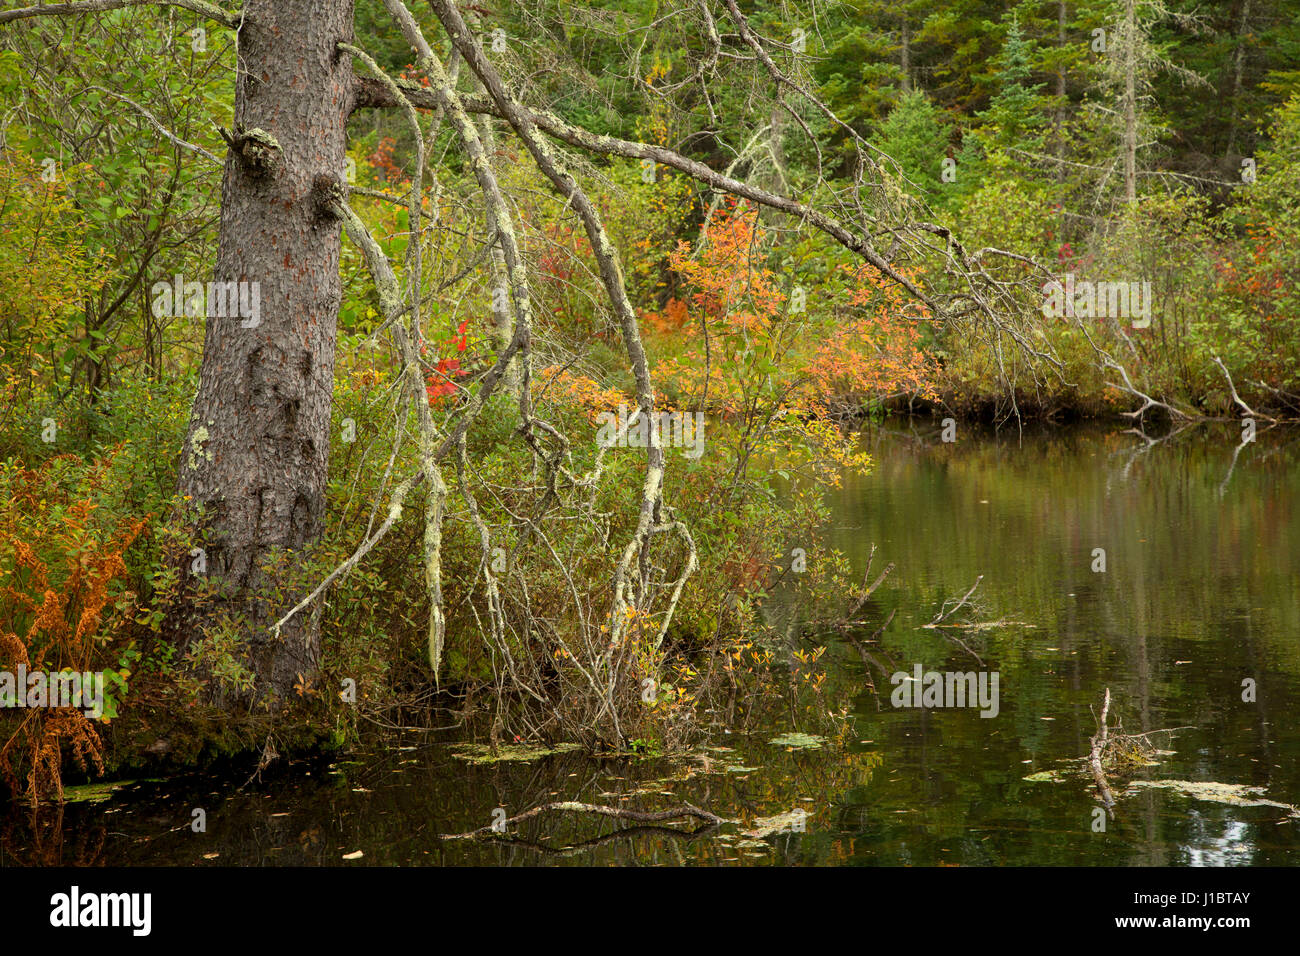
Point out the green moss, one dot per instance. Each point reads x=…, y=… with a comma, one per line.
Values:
x=93, y=792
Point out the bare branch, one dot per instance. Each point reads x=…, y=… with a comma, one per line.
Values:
x=618, y=813
x=209, y=10
x=554, y=126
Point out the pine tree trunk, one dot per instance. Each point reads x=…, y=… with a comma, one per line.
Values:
x=256, y=454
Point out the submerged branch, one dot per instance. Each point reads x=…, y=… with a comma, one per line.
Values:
x=1094, y=759
x=867, y=591
x=618, y=813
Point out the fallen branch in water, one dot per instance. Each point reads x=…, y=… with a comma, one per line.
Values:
x=942, y=615
x=585, y=846
x=981, y=625
x=1120, y=750
x=867, y=591
x=636, y=816
x=1094, y=759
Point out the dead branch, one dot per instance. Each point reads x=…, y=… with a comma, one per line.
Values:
x=944, y=614
x=868, y=591
x=611, y=274
x=1250, y=412
x=209, y=10
x=1094, y=759
x=618, y=813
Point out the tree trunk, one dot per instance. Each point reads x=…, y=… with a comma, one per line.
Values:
x=1130, y=101
x=1238, y=73
x=905, y=63
x=1061, y=100
x=257, y=451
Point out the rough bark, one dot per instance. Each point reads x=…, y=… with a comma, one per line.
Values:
x=256, y=454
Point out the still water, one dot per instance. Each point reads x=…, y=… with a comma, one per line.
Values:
x=1200, y=593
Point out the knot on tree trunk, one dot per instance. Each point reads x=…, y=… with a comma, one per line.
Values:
x=257, y=150
x=328, y=194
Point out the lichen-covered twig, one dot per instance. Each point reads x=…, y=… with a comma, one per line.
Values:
x=1098, y=748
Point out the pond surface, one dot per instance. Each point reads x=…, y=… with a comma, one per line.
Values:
x=1201, y=591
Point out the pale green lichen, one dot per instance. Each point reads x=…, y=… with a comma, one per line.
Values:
x=261, y=136
x=93, y=792
x=798, y=741
x=197, y=451
x=523, y=753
